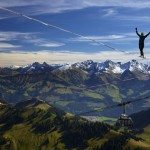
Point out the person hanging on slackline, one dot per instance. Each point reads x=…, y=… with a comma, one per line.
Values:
x=141, y=41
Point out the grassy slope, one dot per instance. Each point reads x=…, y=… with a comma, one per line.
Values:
x=137, y=145
x=93, y=143
x=22, y=135
x=23, y=138
x=146, y=134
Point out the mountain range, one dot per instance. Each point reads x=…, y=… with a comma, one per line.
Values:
x=80, y=86
x=88, y=66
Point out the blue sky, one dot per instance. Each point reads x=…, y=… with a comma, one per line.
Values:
x=108, y=21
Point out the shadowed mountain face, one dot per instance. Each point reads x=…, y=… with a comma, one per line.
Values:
x=141, y=119
x=79, y=87
x=34, y=124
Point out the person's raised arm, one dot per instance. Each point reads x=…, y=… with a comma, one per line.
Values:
x=147, y=35
x=137, y=32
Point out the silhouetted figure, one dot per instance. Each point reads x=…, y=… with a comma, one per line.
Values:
x=141, y=41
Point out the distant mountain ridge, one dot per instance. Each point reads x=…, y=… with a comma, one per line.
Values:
x=115, y=67
x=78, y=87
x=88, y=66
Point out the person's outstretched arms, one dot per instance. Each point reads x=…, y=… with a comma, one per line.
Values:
x=147, y=35
x=137, y=32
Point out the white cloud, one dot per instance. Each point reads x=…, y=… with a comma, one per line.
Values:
x=2, y=18
x=44, y=43
x=106, y=38
x=53, y=57
x=51, y=44
x=56, y=6
x=133, y=18
x=122, y=38
x=7, y=45
x=10, y=35
x=110, y=12
x=28, y=37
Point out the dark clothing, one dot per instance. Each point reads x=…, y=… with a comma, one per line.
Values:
x=141, y=50
x=141, y=42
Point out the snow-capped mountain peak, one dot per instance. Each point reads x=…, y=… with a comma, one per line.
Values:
x=88, y=66
x=135, y=65
x=110, y=66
